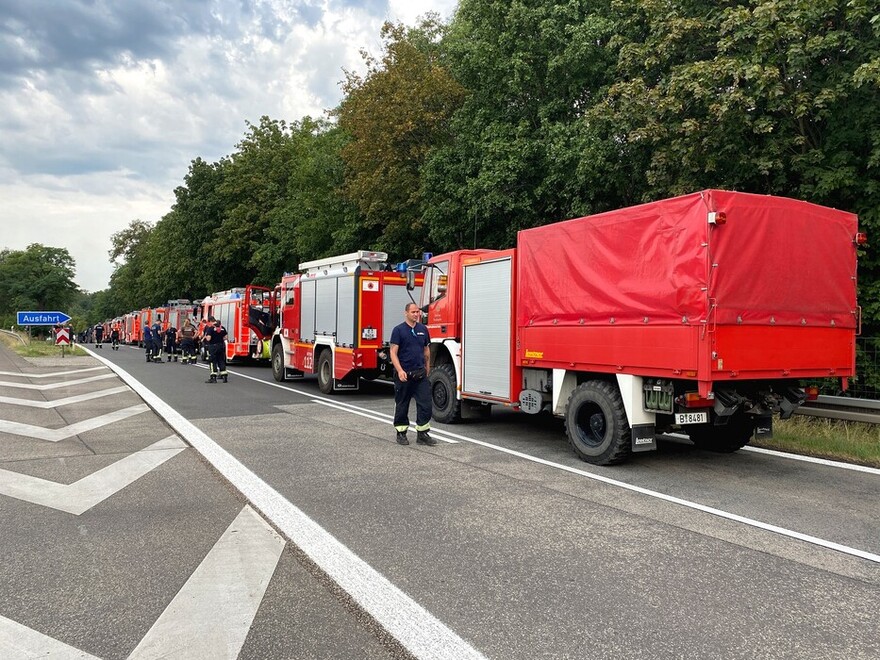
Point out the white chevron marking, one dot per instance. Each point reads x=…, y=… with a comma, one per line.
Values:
x=55, y=386
x=211, y=614
x=54, y=435
x=52, y=375
x=79, y=398
x=18, y=641
x=79, y=497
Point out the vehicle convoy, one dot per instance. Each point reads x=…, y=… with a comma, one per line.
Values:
x=700, y=313
x=335, y=319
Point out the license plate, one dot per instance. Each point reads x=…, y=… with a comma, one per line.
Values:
x=692, y=417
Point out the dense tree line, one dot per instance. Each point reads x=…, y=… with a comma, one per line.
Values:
x=522, y=112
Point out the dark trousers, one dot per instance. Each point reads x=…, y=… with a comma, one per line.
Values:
x=188, y=347
x=217, y=358
x=404, y=392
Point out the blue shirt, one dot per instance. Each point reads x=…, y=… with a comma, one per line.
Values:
x=411, y=344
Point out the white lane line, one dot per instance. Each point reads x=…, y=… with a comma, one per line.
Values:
x=831, y=545
x=419, y=631
x=685, y=503
x=18, y=641
x=79, y=398
x=56, y=435
x=55, y=386
x=212, y=613
x=51, y=375
x=345, y=407
x=82, y=495
x=813, y=459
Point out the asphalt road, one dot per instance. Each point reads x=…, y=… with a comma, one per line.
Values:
x=498, y=542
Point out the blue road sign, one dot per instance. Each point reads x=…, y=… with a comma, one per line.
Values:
x=42, y=318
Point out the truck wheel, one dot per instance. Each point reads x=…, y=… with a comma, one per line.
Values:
x=596, y=424
x=325, y=372
x=723, y=439
x=447, y=408
x=278, y=362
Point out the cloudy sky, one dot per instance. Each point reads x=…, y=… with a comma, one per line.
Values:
x=106, y=102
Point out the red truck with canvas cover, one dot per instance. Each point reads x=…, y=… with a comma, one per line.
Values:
x=699, y=314
x=336, y=318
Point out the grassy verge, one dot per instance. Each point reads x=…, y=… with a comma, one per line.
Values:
x=39, y=348
x=852, y=442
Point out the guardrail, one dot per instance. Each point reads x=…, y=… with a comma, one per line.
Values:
x=844, y=408
x=14, y=334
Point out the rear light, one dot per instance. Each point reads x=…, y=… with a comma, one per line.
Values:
x=717, y=218
x=694, y=400
x=812, y=393
x=861, y=238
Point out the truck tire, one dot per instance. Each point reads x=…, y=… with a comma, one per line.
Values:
x=447, y=407
x=596, y=424
x=278, y=362
x=726, y=439
x=325, y=372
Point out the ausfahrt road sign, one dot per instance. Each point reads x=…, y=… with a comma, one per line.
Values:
x=42, y=318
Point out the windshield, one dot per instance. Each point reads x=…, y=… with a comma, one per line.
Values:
x=434, y=287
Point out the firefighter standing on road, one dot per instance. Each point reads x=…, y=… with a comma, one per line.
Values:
x=157, y=341
x=148, y=342
x=215, y=336
x=99, y=335
x=188, y=343
x=411, y=357
x=114, y=337
x=171, y=342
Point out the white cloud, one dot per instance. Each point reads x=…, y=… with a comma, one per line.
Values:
x=100, y=132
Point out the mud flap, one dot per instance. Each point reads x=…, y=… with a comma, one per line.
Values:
x=643, y=438
x=763, y=428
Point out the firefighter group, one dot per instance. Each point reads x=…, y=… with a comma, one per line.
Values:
x=170, y=344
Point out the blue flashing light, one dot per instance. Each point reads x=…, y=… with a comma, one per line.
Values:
x=401, y=267
x=426, y=256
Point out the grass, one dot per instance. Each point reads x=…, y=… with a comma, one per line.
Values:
x=39, y=348
x=851, y=442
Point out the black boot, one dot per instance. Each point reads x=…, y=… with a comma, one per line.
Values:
x=401, y=438
x=212, y=379
x=425, y=439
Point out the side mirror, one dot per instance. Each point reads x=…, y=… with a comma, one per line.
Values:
x=410, y=280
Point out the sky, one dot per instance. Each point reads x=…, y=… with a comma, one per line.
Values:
x=106, y=102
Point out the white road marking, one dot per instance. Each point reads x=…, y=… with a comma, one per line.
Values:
x=831, y=545
x=18, y=641
x=56, y=435
x=813, y=459
x=79, y=398
x=55, y=386
x=419, y=631
x=78, y=497
x=54, y=374
x=212, y=613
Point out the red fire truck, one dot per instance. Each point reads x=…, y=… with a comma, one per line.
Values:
x=698, y=313
x=178, y=311
x=246, y=313
x=131, y=328
x=336, y=318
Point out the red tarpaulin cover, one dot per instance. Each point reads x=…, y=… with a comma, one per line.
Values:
x=778, y=260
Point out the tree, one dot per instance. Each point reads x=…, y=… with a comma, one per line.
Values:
x=395, y=115
x=531, y=69
x=37, y=278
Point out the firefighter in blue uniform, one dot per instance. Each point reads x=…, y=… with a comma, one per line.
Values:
x=171, y=342
x=411, y=357
x=157, y=341
x=99, y=335
x=148, y=342
x=215, y=338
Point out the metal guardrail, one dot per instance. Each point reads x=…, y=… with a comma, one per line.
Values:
x=14, y=334
x=843, y=408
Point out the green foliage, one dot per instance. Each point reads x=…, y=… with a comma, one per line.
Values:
x=36, y=278
x=394, y=117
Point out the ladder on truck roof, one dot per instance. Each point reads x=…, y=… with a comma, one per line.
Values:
x=367, y=258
